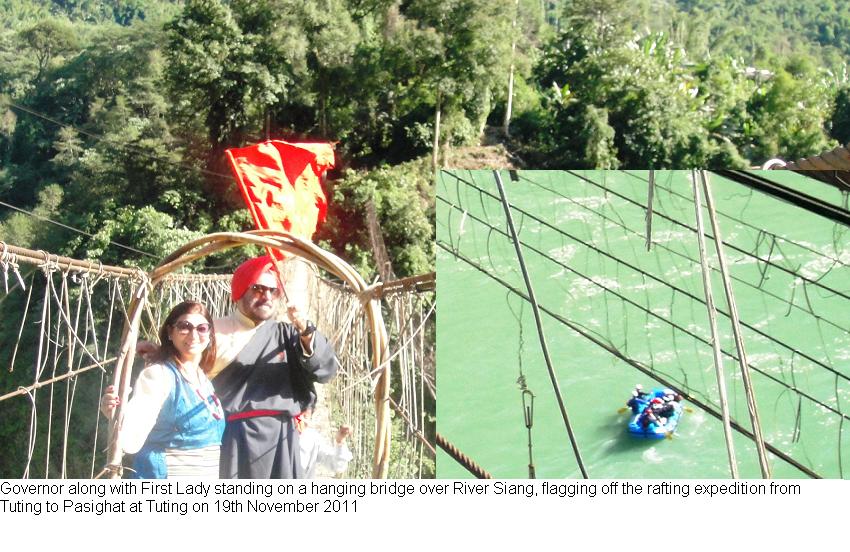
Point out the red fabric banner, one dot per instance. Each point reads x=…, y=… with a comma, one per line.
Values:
x=280, y=182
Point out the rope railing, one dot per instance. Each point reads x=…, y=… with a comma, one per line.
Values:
x=39, y=258
x=77, y=304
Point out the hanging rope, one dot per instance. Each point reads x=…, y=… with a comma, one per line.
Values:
x=526, y=396
x=680, y=328
x=737, y=220
x=535, y=309
x=695, y=262
x=733, y=247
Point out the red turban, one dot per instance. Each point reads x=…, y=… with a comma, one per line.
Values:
x=248, y=273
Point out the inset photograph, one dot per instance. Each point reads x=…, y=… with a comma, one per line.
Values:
x=643, y=324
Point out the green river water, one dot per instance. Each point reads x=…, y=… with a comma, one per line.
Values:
x=584, y=243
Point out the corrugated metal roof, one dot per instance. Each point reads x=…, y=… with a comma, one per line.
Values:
x=832, y=167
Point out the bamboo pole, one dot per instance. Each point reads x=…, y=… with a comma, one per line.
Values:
x=121, y=379
x=66, y=263
x=32, y=257
x=26, y=390
x=650, y=193
x=736, y=330
x=539, y=322
x=715, y=337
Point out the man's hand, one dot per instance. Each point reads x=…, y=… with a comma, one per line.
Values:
x=299, y=322
x=296, y=317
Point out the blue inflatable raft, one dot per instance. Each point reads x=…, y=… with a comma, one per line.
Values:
x=644, y=426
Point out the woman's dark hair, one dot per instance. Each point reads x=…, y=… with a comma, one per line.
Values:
x=167, y=351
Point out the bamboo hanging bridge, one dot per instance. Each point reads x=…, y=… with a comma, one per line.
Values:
x=69, y=328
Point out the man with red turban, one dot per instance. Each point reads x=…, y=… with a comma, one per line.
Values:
x=264, y=375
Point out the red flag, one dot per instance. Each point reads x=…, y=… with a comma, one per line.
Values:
x=280, y=183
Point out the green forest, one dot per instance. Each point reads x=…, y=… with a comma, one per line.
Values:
x=114, y=115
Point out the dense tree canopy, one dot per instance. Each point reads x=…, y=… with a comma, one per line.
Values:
x=125, y=120
x=114, y=115
x=635, y=87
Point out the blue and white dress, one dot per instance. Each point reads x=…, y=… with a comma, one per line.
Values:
x=173, y=428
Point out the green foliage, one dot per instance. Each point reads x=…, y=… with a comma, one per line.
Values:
x=644, y=105
x=768, y=29
x=221, y=71
x=840, y=121
x=788, y=116
x=145, y=228
x=28, y=231
x=47, y=39
x=620, y=88
x=404, y=205
x=15, y=13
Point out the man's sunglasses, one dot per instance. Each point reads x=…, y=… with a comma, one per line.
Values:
x=185, y=327
x=260, y=290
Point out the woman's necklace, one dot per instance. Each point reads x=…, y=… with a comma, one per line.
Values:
x=215, y=409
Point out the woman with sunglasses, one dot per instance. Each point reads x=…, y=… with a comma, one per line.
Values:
x=174, y=421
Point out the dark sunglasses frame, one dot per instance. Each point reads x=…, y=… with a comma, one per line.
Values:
x=259, y=290
x=185, y=327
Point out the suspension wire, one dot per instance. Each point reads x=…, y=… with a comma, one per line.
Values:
x=471, y=465
x=526, y=396
x=552, y=376
x=667, y=284
x=792, y=386
x=790, y=304
x=715, y=336
x=729, y=245
x=736, y=329
x=77, y=230
x=743, y=222
x=647, y=370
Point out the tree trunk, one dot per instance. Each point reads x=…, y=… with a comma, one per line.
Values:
x=379, y=248
x=324, y=109
x=507, y=122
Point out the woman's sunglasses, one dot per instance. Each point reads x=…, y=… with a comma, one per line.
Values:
x=185, y=327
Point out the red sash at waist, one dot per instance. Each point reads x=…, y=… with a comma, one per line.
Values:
x=253, y=414
x=298, y=418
